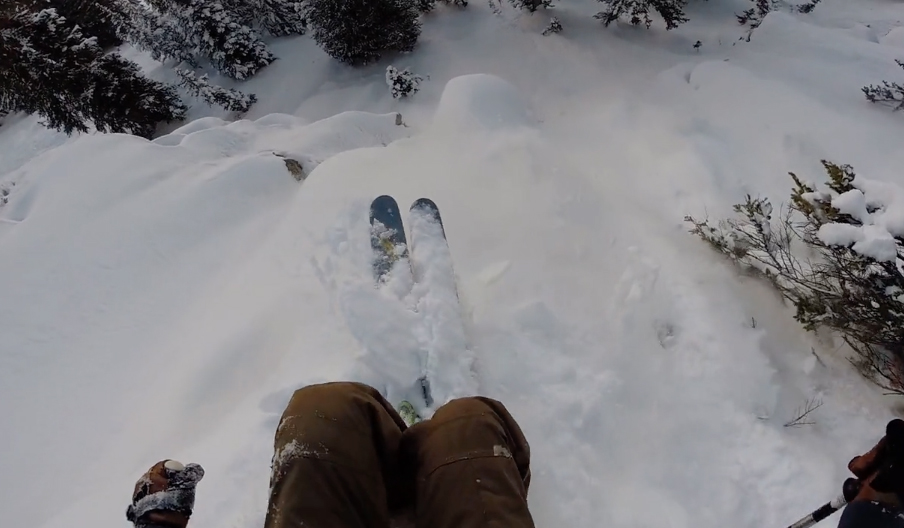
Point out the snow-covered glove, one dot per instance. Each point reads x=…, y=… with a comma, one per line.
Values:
x=165, y=495
x=881, y=469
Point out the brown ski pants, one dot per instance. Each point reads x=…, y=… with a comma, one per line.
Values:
x=344, y=459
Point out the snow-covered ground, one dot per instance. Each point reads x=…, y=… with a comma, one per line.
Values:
x=163, y=299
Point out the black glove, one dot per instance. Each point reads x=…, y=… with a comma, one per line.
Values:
x=881, y=469
x=165, y=495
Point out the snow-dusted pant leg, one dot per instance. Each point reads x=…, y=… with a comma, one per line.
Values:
x=335, y=463
x=472, y=467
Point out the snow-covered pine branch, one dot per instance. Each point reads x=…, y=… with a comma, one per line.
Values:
x=228, y=99
x=638, y=11
x=531, y=5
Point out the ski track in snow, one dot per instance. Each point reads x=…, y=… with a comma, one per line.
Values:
x=164, y=299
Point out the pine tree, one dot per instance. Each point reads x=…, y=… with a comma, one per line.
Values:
x=149, y=30
x=281, y=17
x=531, y=5
x=233, y=49
x=228, y=99
x=190, y=29
x=52, y=70
x=358, y=31
x=123, y=100
x=92, y=16
x=672, y=11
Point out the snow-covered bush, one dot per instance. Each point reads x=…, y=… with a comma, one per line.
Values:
x=672, y=11
x=891, y=94
x=554, y=27
x=531, y=5
x=402, y=83
x=52, y=70
x=851, y=282
x=359, y=31
x=228, y=99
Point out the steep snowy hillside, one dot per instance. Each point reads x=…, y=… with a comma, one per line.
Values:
x=163, y=299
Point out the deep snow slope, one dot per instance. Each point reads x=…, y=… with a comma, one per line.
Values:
x=163, y=299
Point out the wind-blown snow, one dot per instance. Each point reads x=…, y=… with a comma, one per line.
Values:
x=163, y=299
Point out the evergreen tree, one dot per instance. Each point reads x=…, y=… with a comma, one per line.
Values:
x=92, y=16
x=530, y=5
x=672, y=11
x=281, y=17
x=233, y=49
x=121, y=99
x=150, y=30
x=228, y=99
x=52, y=70
x=358, y=31
x=189, y=29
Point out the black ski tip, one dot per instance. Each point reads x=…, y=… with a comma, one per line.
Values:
x=424, y=203
x=383, y=204
x=428, y=206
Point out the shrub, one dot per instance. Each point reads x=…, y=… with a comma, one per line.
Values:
x=402, y=83
x=891, y=94
x=852, y=283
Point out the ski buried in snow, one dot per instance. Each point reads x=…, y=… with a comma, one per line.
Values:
x=387, y=236
x=391, y=247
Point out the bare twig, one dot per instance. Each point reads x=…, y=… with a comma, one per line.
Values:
x=802, y=414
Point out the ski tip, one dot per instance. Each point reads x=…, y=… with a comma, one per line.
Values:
x=424, y=203
x=383, y=203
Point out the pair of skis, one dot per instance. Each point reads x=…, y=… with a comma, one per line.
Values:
x=391, y=249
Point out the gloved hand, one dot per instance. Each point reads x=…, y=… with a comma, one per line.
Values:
x=165, y=495
x=881, y=469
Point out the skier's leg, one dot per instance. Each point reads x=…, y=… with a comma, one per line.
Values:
x=335, y=459
x=471, y=463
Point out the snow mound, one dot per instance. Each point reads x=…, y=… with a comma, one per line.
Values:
x=309, y=144
x=895, y=37
x=203, y=123
x=481, y=102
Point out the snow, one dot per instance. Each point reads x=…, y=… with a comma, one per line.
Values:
x=163, y=299
x=852, y=203
x=875, y=236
